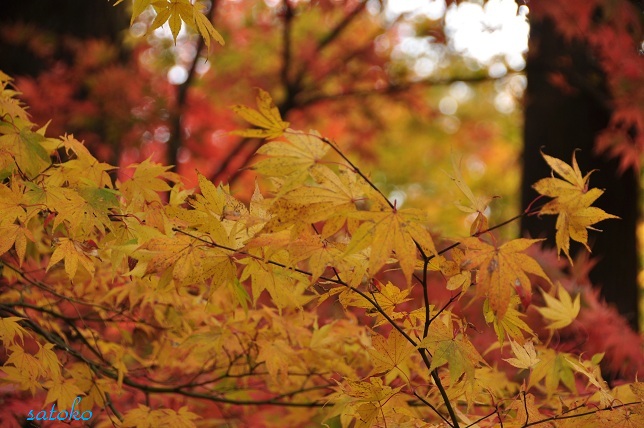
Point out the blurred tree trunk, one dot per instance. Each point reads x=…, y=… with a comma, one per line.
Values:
x=38, y=35
x=561, y=120
x=97, y=19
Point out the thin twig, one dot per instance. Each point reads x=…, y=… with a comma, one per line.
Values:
x=431, y=406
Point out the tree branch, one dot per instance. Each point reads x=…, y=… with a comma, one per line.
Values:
x=333, y=34
x=176, y=128
x=394, y=88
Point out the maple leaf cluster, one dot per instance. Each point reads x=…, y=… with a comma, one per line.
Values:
x=176, y=13
x=148, y=299
x=572, y=203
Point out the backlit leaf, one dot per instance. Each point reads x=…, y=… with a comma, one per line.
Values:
x=562, y=311
x=511, y=324
x=526, y=356
x=9, y=329
x=391, y=230
x=72, y=253
x=501, y=270
x=572, y=200
x=267, y=118
x=293, y=160
x=390, y=353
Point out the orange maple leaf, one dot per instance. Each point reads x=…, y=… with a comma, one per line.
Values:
x=501, y=270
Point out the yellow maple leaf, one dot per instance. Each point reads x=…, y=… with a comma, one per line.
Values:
x=391, y=230
x=148, y=179
x=25, y=148
x=390, y=353
x=27, y=378
x=501, y=270
x=11, y=204
x=574, y=222
x=334, y=197
x=553, y=368
x=267, y=118
x=638, y=389
x=174, y=12
x=511, y=324
x=62, y=391
x=623, y=417
x=372, y=391
x=191, y=261
x=560, y=311
x=73, y=253
x=527, y=411
x=526, y=356
x=590, y=369
x=182, y=418
x=10, y=107
x=319, y=253
x=82, y=167
x=216, y=200
x=214, y=212
x=391, y=295
x=9, y=329
x=476, y=204
x=82, y=210
x=140, y=418
x=293, y=161
x=138, y=6
x=286, y=287
x=14, y=235
x=276, y=355
x=205, y=27
x=457, y=278
x=572, y=200
x=49, y=360
x=367, y=402
x=144, y=417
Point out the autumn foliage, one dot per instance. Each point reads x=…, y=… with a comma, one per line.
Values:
x=317, y=302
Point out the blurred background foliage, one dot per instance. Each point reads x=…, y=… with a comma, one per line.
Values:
x=398, y=85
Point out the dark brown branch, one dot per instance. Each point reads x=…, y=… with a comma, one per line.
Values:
x=490, y=229
x=431, y=406
x=286, y=45
x=112, y=373
x=48, y=289
x=496, y=410
x=426, y=298
x=577, y=415
x=422, y=351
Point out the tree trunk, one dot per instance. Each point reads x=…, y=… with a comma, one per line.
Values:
x=40, y=35
x=80, y=19
x=559, y=121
